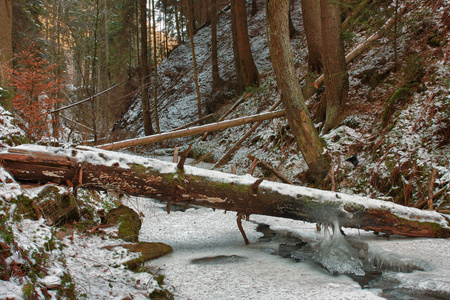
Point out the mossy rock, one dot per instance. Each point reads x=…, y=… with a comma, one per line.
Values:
x=26, y=208
x=54, y=203
x=128, y=221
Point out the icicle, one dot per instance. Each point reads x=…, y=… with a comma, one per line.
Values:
x=336, y=254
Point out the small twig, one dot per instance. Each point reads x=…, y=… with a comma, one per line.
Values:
x=268, y=167
x=256, y=184
x=431, y=188
x=168, y=207
x=333, y=182
x=241, y=229
x=253, y=166
x=286, y=154
x=423, y=112
x=96, y=228
x=175, y=155
x=380, y=161
x=180, y=165
x=203, y=157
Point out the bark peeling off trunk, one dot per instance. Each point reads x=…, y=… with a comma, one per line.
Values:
x=99, y=169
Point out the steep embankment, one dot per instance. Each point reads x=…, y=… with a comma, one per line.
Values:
x=395, y=120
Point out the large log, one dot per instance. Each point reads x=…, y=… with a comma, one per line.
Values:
x=99, y=169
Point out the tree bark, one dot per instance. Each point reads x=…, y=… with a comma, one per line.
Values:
x=148, y=128
x=247, y=65
x=216, y=80
x=177, y=22
x=194, y=62
x=301, y=125
x=155, y=68
x=335, y=67
x=5, y=37
x=240, y=86
x=95, y=169
x=292, y=30
x=313, y=32
x=254, y=8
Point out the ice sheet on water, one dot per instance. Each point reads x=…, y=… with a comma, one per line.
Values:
x=337, y=255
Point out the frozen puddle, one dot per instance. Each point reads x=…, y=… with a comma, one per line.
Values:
x=211, y=261
x=370, y=268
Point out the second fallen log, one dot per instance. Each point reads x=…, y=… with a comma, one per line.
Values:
x=192, y=131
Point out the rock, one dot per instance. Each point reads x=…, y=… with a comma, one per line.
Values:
x=147, y=250
x=51, y=282
x=61, y=234
x=128, y=221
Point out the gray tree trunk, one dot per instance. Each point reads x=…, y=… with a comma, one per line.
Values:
x=301, y=125
x=249, y=71
x=335, y=67
x=148, y=129
x=313, y=32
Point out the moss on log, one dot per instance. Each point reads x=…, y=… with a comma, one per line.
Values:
x=99, y=169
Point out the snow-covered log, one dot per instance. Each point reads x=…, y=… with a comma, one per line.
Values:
x=99, y=169
x=193, y=130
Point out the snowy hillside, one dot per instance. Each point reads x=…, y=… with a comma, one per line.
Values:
x=398, y=137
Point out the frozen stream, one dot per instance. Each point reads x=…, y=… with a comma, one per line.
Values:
x=211, y=261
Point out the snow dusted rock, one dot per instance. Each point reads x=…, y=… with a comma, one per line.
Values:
x=51, y=282
x=146, y=250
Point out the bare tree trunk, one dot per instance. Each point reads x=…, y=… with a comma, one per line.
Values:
x=177, y=22
x=160, y=180
x=108, y=72
x=335, y=67
x=301, y=125
x=155, y=68
x=247, y=64
x=254, y=8
x=216, y=80
x=191, y=37
x=136, y=15
x=148, y=129
x=313, y=32
x=93, y=82
x=292, y=30
x=240, y=86
x=5, y=39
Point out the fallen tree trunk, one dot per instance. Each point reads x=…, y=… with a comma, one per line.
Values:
x=192, y=131
x=97, y=169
